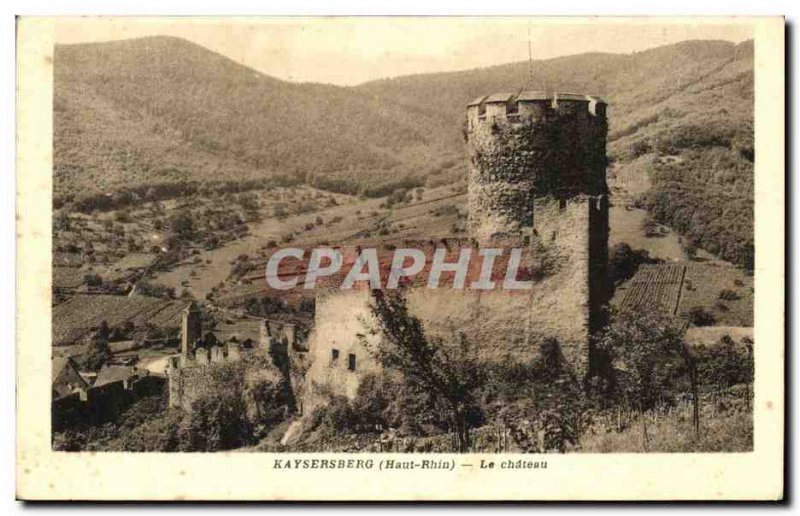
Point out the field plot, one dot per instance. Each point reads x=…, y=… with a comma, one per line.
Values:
x=632, y=178
x=654, y=286
x=676, y=288
x=68, y=278
x=726, y=291
x=78, y=316
x=433, y=213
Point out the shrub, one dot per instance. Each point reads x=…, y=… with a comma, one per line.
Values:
x=648, y=355
x=216, y=422
x=337, y=417
x=623, y=262
x=724, y=364
x=699, y=316
x=92, y=280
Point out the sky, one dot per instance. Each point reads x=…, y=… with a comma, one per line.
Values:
x=352, y=50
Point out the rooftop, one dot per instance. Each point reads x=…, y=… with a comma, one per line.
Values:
x=533, y=95
x=111, y=374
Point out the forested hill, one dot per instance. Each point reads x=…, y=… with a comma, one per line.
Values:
x=680, y=122
x=162, y=110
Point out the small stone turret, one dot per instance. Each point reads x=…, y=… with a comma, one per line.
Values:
x=191, y=329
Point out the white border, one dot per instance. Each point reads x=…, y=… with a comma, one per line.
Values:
x=231, y=7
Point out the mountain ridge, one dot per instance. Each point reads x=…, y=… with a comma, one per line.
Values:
x=164, y=111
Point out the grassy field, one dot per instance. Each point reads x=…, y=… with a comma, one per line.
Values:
x=626, y=225
x=730, y=431
x=710, y=335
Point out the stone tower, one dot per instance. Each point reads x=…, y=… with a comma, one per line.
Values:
x=191, y=329
x=538, y=174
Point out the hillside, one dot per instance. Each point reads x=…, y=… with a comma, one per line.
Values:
x=160, y=110
x=163, y=111
x=680, y=126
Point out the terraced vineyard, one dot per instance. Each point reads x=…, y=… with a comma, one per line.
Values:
x=675, y=288
x=78, y=316
x=655, y=286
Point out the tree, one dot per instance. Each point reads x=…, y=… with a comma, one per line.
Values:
x=145, y=288
x=649, y=355
x=725, y=365
x=98, y=351
x=217, y=421
x=446, y=373
x=690, y=249
x=650, y=228
x=92, y=280
x=62, y=222
x=623, y=262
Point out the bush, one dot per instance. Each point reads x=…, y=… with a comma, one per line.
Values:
x=337, y=417
x=699, y=316
x=724, y=364
x=728, y=295
x=145, y=288
x=161, y=434
x=92, y=280
x=623, y=262
x=217, y=421
x=648, y=356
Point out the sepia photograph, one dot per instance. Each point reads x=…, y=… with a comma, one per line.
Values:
x=507, y=239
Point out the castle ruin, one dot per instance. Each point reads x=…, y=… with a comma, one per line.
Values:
x=537, y=177
x=189, y=374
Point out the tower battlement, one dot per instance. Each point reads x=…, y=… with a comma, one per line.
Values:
x=531, y=106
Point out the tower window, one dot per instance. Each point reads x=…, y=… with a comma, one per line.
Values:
x=334, y=355
x=562, y=204
x=351, y=362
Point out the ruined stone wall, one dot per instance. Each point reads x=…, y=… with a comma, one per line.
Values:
x=503, y=325
x=102, y=404
x=341, y=317
x=186, y=385
x=188, y=377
